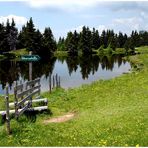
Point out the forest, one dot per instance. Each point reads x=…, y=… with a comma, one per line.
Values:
x=85, y=41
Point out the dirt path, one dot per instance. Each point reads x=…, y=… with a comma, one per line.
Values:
x=60, y=119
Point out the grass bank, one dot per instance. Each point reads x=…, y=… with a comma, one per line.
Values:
x=108, y=113
x=19, y=52
x=60, y=53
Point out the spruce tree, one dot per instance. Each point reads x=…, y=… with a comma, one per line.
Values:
x=6, y=36
x=104, y=39
x=85, y=42
x=12, y=36
x=30, y=35
x=49, y=43
x=70, y=45
x=95, y=39
x=2, y=37
x=38, y=43
x=61, y=44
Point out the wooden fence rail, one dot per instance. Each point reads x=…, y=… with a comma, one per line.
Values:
x=24, y=96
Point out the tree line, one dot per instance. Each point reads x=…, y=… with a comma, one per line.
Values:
x=85, y=41
x=28, y=37
x=88, y=40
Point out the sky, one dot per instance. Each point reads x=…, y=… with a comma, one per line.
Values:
x=69, y=15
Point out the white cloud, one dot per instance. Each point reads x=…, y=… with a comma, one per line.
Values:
x=19, y=20
x=100, y=28
x=144, y=15
x=78, y=29
x=133, y=23
x=66, y=5
x=91, y=16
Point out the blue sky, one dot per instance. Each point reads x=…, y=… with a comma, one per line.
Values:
x=65, y=15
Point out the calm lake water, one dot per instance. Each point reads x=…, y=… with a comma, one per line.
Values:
x=73, y=71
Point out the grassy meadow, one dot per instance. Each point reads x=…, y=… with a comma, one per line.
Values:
x=107, y=113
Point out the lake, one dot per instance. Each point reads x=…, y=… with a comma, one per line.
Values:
x=73, y=71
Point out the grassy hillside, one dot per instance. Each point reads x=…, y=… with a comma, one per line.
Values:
x=108, y=113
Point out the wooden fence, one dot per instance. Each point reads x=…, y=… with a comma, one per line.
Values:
x=54, y=82
x=24, y=96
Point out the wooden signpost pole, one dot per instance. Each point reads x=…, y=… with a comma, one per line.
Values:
x=7, y=111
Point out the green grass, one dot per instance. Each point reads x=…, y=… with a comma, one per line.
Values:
x=110, y=51
x=108, y=113
x=60, y=53
x=19, y=52
x=142, y=49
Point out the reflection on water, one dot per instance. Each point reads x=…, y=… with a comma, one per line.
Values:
x=74, y=71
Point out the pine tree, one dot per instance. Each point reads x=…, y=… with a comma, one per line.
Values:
x=38, y=43
x=104, y=39
x=2, y=36
x=61, y=44
x=95, y=39
x=126, y=46
x=85, y=42
x=49, y=43
x=121, y=40
x=70, y=45
x=12, y=36
x=113, y=42
x=30, y=35
x=6, y=36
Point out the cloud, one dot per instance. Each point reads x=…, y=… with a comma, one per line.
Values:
x=100, y=28
x=19, y=20
x=62, y=4
x=128, y=6
x=133, y=22
x=91, y=16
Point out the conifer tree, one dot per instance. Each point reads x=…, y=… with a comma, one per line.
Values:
x=61, y=44
x=49, y=43
x=12, y=36
x=85, y=42
x=30, y=35
x=70, y=45
x=95, y=39
x=2, y=37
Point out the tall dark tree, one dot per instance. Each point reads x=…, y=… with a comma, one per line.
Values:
x=113, y=42
x=70, y=44
x=2, y=37
x=85, y=42
x=121, y=40
x=12, y=36
x=143, y=38
x=49, y=43
x=61, y=44
x=22, y=38
x=38, y=43
x=95, y=39
x=6, y=38
x=104, y=41
x=30, y=35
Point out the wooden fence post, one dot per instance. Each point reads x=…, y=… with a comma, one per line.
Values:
x=59, y=82
x=7, y=111
x=53, y=81
x=50, y=82
x=21, y=91
x=56, y=80
x=16, y=101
